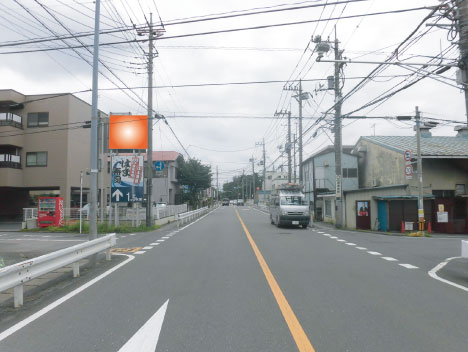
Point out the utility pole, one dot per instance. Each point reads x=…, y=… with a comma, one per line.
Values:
x=243, y=194
x=217, y=184
x=462, y=9
x=338, y=138
x=300, y=132
x=264, y=167
x=300, y=96
x=420, y=174
x=288, y=144
x=322, y=47
x=253, y=178
x=94, y=133
x=149, y=156
x=294, y=139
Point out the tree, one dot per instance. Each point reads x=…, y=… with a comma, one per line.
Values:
x=195, y=177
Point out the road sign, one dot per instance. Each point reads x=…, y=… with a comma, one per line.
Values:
x=338, y=187
x=127, y=176
x=159, y=165
x=407, y=155
x=409, y=171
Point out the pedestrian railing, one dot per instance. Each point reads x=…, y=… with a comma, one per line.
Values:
x=16, y=275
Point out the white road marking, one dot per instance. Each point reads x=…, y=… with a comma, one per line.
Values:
x=165, y=237
x=154, y=244
x=374, y=253
x=338, y=240
x=333, y=237
x=433, y=273
x=390, y=259
x=350, y=244
x=408, y=266
x=46, y=236
x=146, y=338
x=161, y=240
x=65, y=298
x=147, y=247
x=139, y=252
x=326, y=234
x=132, y=234
x=361, y=248
x=319, y=232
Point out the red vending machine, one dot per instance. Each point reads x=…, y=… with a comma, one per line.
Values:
x=50, y=211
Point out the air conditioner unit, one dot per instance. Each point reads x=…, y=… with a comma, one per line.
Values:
x=326, y=163
x=374, y=182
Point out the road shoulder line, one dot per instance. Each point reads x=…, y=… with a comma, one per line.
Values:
x=51, y=306
x=433, y=273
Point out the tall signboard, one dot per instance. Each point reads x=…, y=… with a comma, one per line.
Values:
x=127, y=178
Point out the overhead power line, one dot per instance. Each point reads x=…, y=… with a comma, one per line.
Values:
x=224, y=30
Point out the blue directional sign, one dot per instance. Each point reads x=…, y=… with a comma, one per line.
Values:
x=159, y=165
x=127, y=176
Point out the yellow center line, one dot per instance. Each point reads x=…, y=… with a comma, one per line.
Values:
x=295, y=327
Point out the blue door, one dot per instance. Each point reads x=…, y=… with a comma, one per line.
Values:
x=382, y=214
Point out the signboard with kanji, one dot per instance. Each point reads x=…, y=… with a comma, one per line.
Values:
x=127, y=175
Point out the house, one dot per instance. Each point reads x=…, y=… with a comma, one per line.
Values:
x=43, y=149
x=165, y=184
x=320, y=180
x=387, y=197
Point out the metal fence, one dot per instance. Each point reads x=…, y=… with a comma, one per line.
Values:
x=124, y=213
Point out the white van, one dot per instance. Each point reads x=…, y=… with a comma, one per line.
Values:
x=288, y=207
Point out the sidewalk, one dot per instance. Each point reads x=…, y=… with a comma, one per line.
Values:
x=324, y=225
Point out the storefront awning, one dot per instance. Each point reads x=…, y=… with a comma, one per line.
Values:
x=403, y=197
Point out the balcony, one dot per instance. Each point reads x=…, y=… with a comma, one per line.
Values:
x=9, y=119
x=10, y=161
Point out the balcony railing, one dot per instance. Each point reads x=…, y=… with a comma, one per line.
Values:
x=10, y=161
x=9, y=119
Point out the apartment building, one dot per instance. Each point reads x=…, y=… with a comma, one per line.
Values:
x=43, y=148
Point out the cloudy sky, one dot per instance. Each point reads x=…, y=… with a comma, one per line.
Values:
x=225, y=123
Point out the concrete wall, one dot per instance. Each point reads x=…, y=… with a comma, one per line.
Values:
x=442, y=174
x=368, y=195
x=386, y=166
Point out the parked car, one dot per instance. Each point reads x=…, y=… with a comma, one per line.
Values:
x=240, y=202
x=225, y=201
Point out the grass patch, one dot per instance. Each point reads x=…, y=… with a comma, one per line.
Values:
x=102, y=228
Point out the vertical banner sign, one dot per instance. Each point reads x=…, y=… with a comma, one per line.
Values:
x=127, y=175
x=338, y=187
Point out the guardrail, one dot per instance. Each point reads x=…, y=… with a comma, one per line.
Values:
x=16, y=275
x=191, y=215
x=464, y=249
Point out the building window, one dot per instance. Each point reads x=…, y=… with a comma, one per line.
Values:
x=328, y=208
x=38, y=119
x=460, y=189
x=36, y=159
x=443, y=193
x=349, y=172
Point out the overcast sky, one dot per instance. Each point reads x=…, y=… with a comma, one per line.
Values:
x=255, y=55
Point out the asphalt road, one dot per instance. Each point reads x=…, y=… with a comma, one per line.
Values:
x=260, y=288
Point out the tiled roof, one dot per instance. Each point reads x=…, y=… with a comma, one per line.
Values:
x=430, y=146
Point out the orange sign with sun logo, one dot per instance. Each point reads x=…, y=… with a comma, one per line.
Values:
x=128, y=132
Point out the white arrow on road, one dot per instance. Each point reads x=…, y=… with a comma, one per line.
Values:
x=117, y=194
x=146, y=338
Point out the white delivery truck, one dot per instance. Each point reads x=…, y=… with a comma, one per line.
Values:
x=288, y=206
